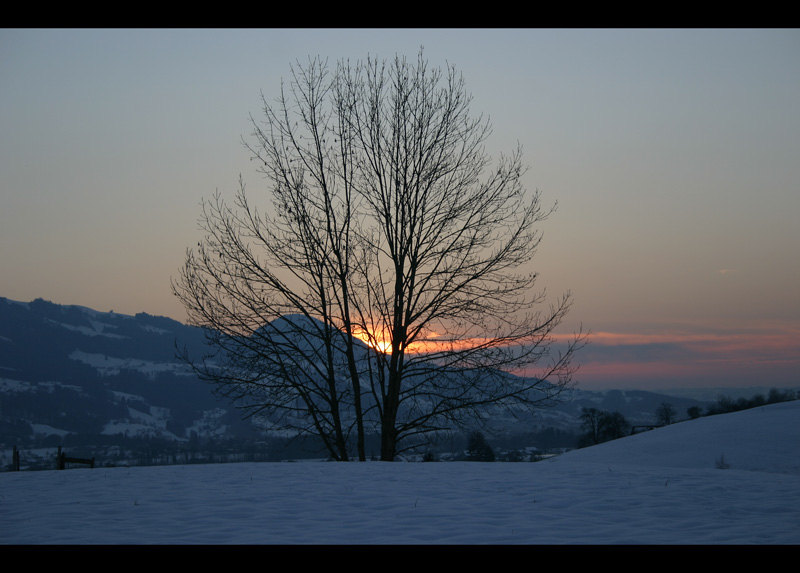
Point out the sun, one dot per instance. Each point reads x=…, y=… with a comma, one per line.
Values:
x=381, y=343
x=382, y=346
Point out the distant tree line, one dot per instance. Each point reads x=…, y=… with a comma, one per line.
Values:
x=520, y=447
x=118, y=450
x=545, y=439
x=726, y=404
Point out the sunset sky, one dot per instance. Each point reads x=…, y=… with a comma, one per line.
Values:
x=674, y=156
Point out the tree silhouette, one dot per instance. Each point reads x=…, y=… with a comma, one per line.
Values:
x=601, y=426
x=478, y=449
x=591, y=419
x=665, y=414
x=382, y=291
x=613, y=426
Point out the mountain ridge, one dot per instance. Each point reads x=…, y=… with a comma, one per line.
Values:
x=69, y=373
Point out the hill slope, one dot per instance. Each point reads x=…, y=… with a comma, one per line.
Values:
x=765, y=439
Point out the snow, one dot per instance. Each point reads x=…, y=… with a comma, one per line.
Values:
x=154, y=329
x=659, y=487
x=111, y=366
x=209, y=424
x=141, y=423
x=96, y=330
x=133, y=429
x=48, y=430
x=8, y=385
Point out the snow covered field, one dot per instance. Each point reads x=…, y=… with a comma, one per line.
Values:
x=660, y=487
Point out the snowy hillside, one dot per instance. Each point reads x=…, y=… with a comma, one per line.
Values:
x=765, y=439
x=658, y=487
x=101, y=379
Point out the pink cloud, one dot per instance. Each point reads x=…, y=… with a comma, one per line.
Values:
x=758, y=354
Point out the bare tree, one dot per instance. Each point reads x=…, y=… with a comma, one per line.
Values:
x=388, y=226
x=613, y=426
x=600, y=426
x=665, y=414
x=591, y=424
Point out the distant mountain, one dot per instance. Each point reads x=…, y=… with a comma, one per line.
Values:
x=74, y=371
x=73, y=376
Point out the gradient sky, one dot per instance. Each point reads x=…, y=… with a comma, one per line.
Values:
x=674, y=156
